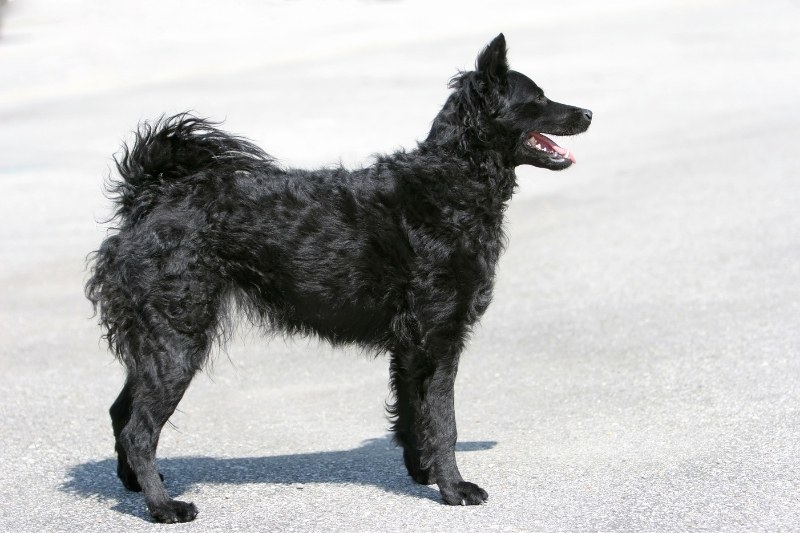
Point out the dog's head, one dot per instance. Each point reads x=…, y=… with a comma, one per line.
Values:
x=499, y=109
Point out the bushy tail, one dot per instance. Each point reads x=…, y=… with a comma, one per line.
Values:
x=174, y=148
x=168, y=149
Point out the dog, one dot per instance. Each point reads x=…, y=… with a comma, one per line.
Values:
x=398, y=257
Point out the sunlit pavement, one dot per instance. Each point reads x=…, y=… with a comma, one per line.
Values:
x=639, y=368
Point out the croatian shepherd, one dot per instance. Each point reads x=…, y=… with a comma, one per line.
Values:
x=398, y=258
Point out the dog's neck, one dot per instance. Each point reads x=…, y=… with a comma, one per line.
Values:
x=479, y=182
x=473, y=139
x=487, y=174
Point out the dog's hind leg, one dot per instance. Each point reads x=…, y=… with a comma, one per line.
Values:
x=120, y=415
x=154, y=394
x=170, y=341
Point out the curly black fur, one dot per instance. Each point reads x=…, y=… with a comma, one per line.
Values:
x=398, y=257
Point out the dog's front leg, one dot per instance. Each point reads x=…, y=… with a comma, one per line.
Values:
x=426, y=423
x=403, y=411
x=438, y=431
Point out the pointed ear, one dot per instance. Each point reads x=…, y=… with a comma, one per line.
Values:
x=492, y=62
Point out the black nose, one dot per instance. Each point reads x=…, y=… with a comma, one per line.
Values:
x=587, y=114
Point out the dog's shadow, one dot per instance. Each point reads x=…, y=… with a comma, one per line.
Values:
x=377, y=462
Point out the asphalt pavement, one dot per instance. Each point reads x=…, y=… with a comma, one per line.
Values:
x=638, y=370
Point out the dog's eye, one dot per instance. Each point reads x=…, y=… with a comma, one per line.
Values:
x=540, y=99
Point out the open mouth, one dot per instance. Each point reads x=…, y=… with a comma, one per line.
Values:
x=540, y=143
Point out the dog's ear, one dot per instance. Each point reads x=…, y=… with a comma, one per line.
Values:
x=492, y=62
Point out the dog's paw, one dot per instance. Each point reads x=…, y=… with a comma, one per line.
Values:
x=464, y=493
x=174, y=511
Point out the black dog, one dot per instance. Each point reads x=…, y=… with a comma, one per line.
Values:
x=398, y=257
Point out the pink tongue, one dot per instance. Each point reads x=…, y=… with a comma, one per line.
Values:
x=545, y=141
x=565, y=153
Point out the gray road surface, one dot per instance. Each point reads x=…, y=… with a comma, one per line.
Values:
x=639, y=369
